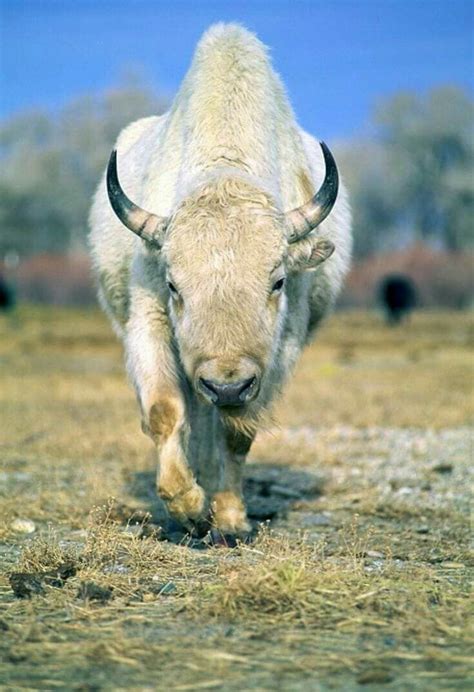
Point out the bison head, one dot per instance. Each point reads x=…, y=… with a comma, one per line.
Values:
x=228, y=253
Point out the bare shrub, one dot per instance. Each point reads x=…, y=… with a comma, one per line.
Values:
x=54, y=279
x=442, y=279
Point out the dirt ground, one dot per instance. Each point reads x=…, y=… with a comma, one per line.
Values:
x=358, y=576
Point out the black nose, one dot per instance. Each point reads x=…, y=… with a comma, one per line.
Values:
x=228, y=393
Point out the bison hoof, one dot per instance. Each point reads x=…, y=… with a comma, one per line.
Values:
x=228, y=515
x=189, y=506
x=220, y=540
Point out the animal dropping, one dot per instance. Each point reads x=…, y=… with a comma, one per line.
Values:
x=220, y=236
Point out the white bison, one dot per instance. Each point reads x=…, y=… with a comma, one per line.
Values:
x=240, y=241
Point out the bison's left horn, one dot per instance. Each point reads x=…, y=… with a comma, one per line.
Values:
x=146, y=225
x=303, y=220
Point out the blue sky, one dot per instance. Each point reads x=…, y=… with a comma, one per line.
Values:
x=338, y=58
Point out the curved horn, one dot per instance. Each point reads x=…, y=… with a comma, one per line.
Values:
x=148, y=226
x=304, y=219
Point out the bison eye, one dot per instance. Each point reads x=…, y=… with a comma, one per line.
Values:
x=173, y=290
x=278, y=285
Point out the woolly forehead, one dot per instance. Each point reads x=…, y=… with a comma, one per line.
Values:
x=238, y=240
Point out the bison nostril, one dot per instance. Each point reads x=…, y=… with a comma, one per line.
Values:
x=207, y=388
x=247, y=387
x=228, y=393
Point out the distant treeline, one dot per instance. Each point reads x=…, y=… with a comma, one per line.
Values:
x=411, y=180
x=51, y=165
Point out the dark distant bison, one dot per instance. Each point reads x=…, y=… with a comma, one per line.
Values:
x=398, y=297
x=7, y=296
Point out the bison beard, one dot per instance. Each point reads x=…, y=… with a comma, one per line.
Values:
x=236, y=213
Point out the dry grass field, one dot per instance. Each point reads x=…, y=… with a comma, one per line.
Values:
x=358, y=576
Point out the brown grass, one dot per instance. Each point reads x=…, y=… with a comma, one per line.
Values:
x=363, y=583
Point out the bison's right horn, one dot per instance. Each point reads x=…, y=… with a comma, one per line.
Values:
x=146, y=225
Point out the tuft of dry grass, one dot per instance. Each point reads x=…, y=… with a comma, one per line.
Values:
x=306, y=584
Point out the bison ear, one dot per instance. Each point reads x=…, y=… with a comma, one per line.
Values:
x=307, y=255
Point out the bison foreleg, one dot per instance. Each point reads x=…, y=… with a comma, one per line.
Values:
x=152, y=368
x=176, y=485
x=227, y=505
